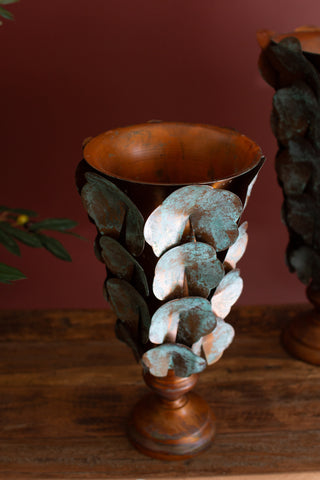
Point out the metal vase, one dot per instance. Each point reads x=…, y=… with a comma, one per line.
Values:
x=290, y=63
x=166, y=199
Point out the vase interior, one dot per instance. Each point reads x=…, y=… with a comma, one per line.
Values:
x=168, y=153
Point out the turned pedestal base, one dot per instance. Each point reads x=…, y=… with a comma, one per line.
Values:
x=171, y=424
x=302, y=338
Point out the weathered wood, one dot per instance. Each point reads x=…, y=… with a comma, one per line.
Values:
x=67, y=386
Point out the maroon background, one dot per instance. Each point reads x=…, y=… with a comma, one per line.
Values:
x=71, y=69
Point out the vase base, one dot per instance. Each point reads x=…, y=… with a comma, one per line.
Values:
x=167, y=433
x=301, y=338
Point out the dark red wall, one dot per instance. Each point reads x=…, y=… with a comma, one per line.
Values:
x=71, y=69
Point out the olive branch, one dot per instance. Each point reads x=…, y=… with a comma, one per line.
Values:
x=19, y=225
x=4, y=13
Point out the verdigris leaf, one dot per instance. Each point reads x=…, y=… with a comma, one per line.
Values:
x=191, y=269
x=57, y=224
x=211, y=214
x=183, y=321
x=291, y=65
x=236, y=251
x=124, y=334
x=54, y=246
x=301, y=216
x=215, y=343
x=294, y=177
x=113, y=212
x=28, y=238
x=227, y=293
x=119, y=262
x=303, y=260
x=168, y=356
x=294, y=109
x=8, y=242
x=9, y=274
x=130, y=307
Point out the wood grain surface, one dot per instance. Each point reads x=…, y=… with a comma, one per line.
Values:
x=67, y=386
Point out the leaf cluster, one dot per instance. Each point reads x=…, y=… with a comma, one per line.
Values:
x=17, y=226
x=4, y=13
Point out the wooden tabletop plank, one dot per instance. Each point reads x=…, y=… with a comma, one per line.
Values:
x=67, y=386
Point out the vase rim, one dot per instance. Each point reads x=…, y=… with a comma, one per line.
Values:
x=309, y=38
x=138, y=153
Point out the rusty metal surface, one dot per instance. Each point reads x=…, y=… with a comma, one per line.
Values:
x=182, y=189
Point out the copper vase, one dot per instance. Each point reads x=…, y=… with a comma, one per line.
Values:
x=290, y=63
x=166, y=199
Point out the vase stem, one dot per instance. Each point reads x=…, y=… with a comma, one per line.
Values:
x=171, y=423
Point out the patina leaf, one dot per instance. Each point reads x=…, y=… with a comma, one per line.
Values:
x=227, y=293
x=214, y=344
x=249, y=190
x=300, y=215
x=293, y=110
x=191, y=269
x=119, y=262
x=294, y=177
x=175, y=357
x=211, y=213
x=124, y=334
x=130, y=307
x=182, y=321
x=305, y=261
x=290, y=65
x=113, y=212
x=236, y=251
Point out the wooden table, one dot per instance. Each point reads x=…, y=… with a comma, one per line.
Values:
x=67, y=386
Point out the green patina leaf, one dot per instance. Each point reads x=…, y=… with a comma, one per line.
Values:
x=214, y=344
x=124, y=334
x=183, y=321
x=236, y=251
x=28, y=238
x=227, y=293
x=54, y=246
x=57, y=224
x=209, y=214
x=191, y=269
x=130, y=308
x=119, y=262
x=8, y=242
x=113, y=212
x=9, y=274
x=175, y=357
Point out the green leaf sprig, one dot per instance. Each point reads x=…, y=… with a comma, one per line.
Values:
x=18, y=225
x=4, y=13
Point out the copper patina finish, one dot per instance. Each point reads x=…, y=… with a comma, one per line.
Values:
x=149, y=162
x=302, y=336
